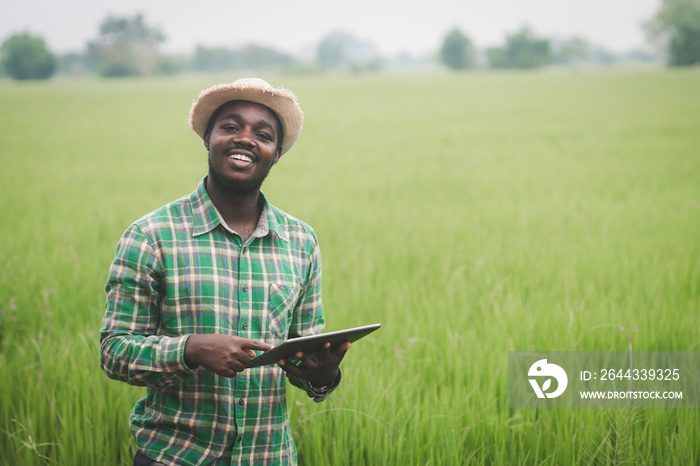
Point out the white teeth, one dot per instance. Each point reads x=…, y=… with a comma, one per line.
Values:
x=240, y=157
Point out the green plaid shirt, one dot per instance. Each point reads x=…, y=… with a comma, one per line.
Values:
x=178, y=271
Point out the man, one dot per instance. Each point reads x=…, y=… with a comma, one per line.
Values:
x=201, y=285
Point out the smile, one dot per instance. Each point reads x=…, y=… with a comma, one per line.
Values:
x=241, y=157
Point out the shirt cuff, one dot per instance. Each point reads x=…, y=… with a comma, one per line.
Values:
x=181, y=355
x=173, y=359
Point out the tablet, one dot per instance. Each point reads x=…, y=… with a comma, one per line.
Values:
x=310, y=345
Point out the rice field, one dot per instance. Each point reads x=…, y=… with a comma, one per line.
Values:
x=471, y=215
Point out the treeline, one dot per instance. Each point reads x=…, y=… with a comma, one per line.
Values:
x=524, y=49
x=203, y=59
x=127, y=46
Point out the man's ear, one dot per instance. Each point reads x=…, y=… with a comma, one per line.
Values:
x=278, y=154
x=207, y=133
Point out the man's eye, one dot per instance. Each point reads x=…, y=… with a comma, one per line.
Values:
x=230, y=127
x=265, y=136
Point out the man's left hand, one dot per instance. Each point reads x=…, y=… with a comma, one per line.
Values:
x=320, y=370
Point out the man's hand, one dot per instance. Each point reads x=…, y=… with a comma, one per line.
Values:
x=224, y=355
x=319, y=371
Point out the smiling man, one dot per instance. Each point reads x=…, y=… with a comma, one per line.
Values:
x=200, y=285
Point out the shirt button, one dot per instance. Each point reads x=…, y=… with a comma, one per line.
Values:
x=245, y=326
x=240, y=402
x=244, y=250
x=245, y=288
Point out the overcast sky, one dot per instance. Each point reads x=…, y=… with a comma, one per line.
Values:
x=393, y=25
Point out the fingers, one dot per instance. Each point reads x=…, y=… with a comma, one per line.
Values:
x=255, y=345
x=250, y=346
x=232, y=357
x=306, y=361
x=325, y=361
x=336, y=355
x=224, y=355
x=342, y=349
x=325, y=351
x=231, y=354
x=288, y=367
x=237, y=365
x=243, y=350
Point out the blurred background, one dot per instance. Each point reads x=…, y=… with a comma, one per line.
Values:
x=130, y=38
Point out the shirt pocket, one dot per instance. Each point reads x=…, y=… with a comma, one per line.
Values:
x=282, y=300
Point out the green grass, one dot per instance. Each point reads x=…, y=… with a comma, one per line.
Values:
x=471, y=215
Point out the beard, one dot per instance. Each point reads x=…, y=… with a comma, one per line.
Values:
x=238, y=187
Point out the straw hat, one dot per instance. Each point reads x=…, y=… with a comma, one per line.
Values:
x=280, y=100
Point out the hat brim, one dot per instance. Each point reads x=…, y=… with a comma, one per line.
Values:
x=281, y=101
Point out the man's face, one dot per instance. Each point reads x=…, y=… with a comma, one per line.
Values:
x=243, y=146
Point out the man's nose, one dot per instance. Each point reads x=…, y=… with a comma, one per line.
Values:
x=244, y=136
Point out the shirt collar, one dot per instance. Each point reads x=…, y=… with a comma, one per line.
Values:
x=206, y=217
x=271, y=220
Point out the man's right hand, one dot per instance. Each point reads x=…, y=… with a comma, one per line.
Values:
x=224, y=355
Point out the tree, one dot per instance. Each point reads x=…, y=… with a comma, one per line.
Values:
x=342, y=49
x=497, y=57
x=251, y=56
x=126, y=47
x=457, y=51
x=522, y=50
x=259, y=57
x=573, y=50
x=603, y=56
x=26, y=57
x=677, y=25
x=330, y=52
x=214, y=59
x=71, y=63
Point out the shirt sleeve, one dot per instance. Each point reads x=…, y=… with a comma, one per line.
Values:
x=316, y=394
x=308, y=319
x=131, y=349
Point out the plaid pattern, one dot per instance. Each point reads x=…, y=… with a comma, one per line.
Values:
x=178, y=272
